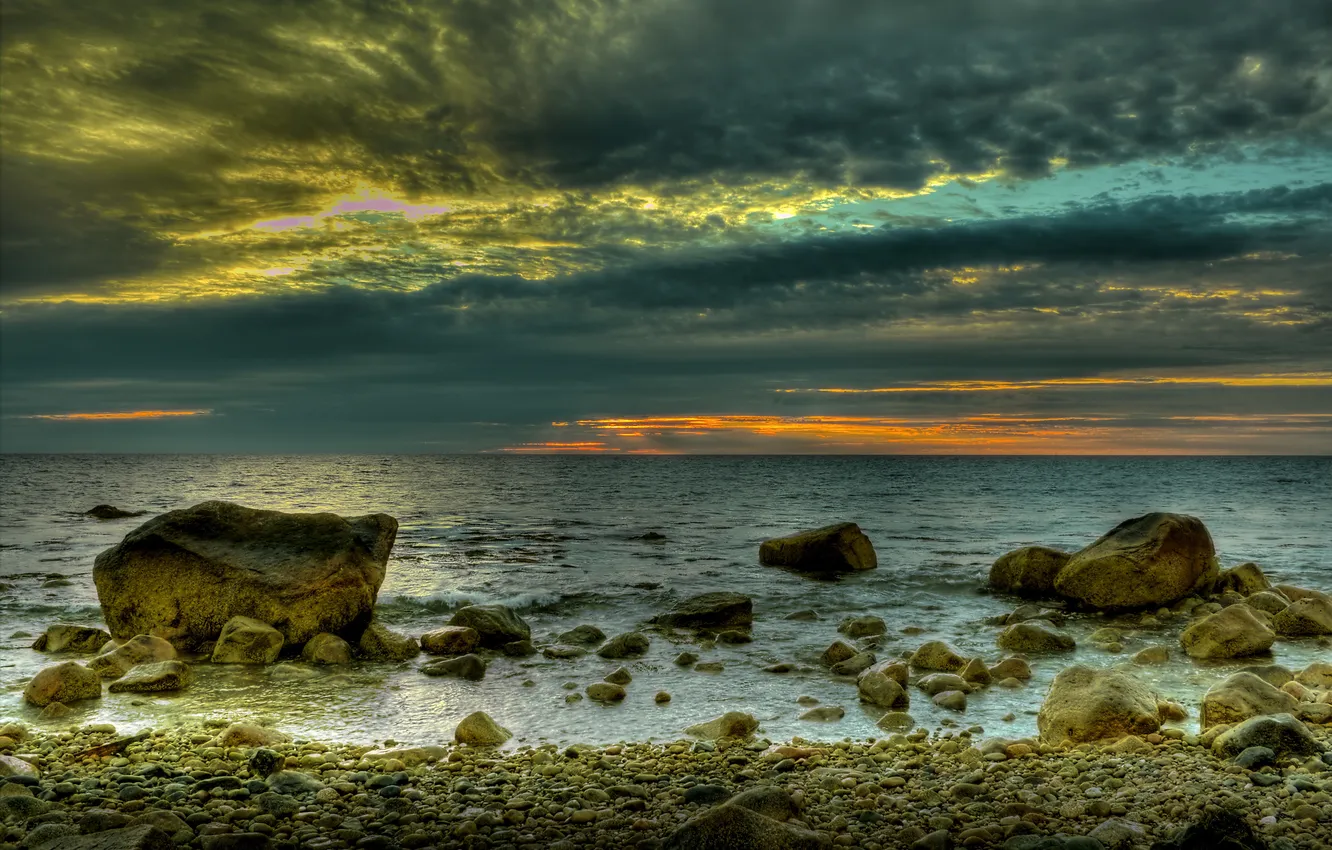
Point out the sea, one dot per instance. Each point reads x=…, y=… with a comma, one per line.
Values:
x=562, y=540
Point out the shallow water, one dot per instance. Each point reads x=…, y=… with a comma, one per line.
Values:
x=556, y=537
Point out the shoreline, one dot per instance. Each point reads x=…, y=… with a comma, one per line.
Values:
x=204, y=784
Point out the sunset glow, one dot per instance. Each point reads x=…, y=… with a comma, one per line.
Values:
x=118, y=415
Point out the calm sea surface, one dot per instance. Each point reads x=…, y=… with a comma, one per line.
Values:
x=556, y=538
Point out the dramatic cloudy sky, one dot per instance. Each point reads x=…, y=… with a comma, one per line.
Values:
x=666, y=226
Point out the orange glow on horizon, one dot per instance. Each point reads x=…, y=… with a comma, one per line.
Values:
x=118, y=415
x=1275, y=379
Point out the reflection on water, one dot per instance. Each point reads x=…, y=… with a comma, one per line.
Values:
x=559, y=538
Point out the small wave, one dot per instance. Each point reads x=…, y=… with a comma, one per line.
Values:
x=538, y=601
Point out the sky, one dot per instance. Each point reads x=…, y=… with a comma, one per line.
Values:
x=666, y=226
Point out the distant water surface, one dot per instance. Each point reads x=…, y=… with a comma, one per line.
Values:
x=557, y=537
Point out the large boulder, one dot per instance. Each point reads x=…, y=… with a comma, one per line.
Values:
x=1230, y=633
x=153, y=677
x=1086, y=704
x=1150, y=560
x=479, y=730
x=63, y=683
x=1311, y=615
x=1281, y=733
x=1029, y=637
x=1029, y=571
x=833, y=548
x=66, y=637
x=190, y=571
x=1242, y=696
x=245, y=640
x=710, y=610
x=495, y=625
x=116, y=658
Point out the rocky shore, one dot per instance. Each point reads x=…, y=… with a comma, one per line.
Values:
x=241, y=786
x=1113, y=764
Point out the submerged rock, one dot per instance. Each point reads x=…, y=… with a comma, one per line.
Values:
x=111, y=512
x=469, y=667
x=250, y=735
x=1029, y=571
x=1230, y=633
x=1086, y=704
x=863, y=626
x=193, y=570
x=154, y=677
x=495, y=625
x=63, y=683
x=709, y=610
x=67, y=637
x=833, y=548
x=245, y=640
x=1151, y=560
x=837, y=652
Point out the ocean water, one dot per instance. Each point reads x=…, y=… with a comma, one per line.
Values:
x=557, y=538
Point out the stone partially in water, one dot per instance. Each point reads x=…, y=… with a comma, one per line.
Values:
x=111, y=512
x=937, y=655
x=833, y=548
x=1305, y=617
x=1029, y=637
x=936, y=683
x=1230, y=633
x=245, y=640
x=1151, y=560
x=824, y=714
x=877, y=688
x=1246, y=580
x=584, y=635
x=495, y=625
x=1086, y=704
x=469, y=667
x=862, y=626
x=116, y=659
x=732, y=724
x=154, y=677
x=1012, y=667
x=192, y=570
x=250, y=735
x=710, y=610
x=837, y=652
x=627, y=645
x=854, y=665
x=325, y=648
x=479, y=730
x=64, y=683
x=1029, y=571
x=380, y=643
x=67, y=637
x=605, y=692
x=450, y=640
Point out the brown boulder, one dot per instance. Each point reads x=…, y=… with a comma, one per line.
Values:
x=1029, y=571
x=63, y=683
x=1151, y=560
x=832, y=548
x=1086, y=704
x=190, y=571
